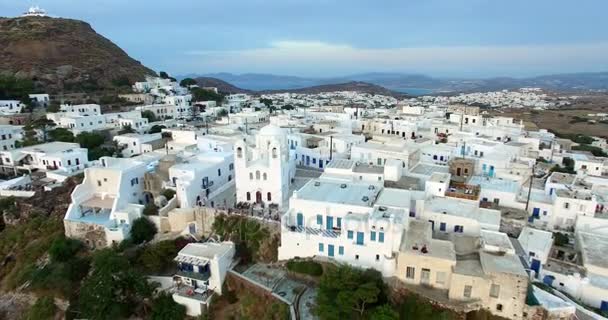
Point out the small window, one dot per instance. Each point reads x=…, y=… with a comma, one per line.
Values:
x=499, y=307
x=349, y=234
x=372, y=236
x=321, y=247
x=99, y=183
x=410, y=272
x=377, y=257
x=494, y=291
x=248, y=196
x=467, y=291
x=341, y=250
x=319, y=219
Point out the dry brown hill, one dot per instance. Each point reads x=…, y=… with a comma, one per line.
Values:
x=64, y=55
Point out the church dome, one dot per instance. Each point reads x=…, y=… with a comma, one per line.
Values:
x=271, y=130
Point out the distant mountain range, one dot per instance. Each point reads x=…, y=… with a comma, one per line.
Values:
x=416, y=84
x=226, y=87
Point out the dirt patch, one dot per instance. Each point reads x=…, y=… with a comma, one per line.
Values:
x=564, y=120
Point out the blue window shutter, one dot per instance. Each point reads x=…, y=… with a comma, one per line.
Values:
x=349, y=234
x=339, y=222
x=320, y=247
x=381, y=236
x=341, y=250
x=373, y=236
x=319, y=219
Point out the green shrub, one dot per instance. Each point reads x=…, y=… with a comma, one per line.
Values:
x=308, y=267
x=142, y=230
x=44, y=308
x=168, y=193
x=150, y=210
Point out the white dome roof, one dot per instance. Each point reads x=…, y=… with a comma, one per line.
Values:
x=271, y=130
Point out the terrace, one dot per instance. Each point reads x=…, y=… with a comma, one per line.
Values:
x=463, y=191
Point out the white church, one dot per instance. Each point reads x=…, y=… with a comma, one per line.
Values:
x=264, y=171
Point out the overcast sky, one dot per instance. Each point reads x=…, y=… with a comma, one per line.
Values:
x=472, y=38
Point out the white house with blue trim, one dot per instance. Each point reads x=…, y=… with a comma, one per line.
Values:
x=358, y=223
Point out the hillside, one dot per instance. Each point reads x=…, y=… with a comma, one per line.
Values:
x=225, y=87
x=221, y=85
x=64, y=55
x=358, y=86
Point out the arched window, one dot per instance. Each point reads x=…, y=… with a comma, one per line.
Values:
x=250, y=175
x=269, y=196
x=274, y=152
x=257, y=175
x=248, y=196
x=239, y=152
x=265, y=176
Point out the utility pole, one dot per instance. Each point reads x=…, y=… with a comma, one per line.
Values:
x=331, y=147
x=530, y=187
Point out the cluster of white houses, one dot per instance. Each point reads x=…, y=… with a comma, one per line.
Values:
x=442, y=197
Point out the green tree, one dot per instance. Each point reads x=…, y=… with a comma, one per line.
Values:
x=13, y=88
x=113, y=289
x=61, y=134
x=150, y=210
x=90, y=140
x=30, y=137
x=43, y=309
x=165, y=308
x=126, y=129
x=168, y=193
x=156, y=128
x=384, y=312
x=64, y=249
x=44, y=125
x=149, y=115
x=200, y=94
x=53, y=107
x=187, y=82
x=346, y=292
x=142, y=230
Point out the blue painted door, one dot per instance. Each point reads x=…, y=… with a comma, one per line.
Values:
x=491, y=173
x=604, y=306
x=535, y=266
x=300, y=218
x=330, y=250
x=320, y=163
x=329, y=221
x=536, y=212
x=442, y=226
x=432, y=224
x=307, y=160
x=548, y=280
x=359, y=237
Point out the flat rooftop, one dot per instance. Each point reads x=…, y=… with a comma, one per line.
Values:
x=51, y=147
x=340, y=164
x=562, y=178
x=593, y=249
x=463, y=209
x=501, y=263
x=428, y=169
x=418, y=239
x=206, y=250
x=497, y=184
x=335, y=191
x=366, y=168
